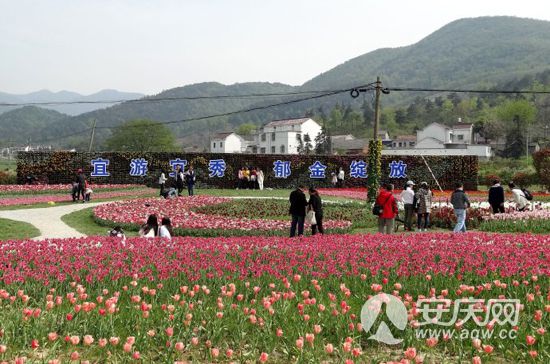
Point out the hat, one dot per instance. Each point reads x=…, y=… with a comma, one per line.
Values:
x=410, y=183
x=424, y=184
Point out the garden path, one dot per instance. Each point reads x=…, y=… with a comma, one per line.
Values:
x=48, y=219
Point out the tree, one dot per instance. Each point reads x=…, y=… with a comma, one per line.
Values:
x=142, y=136
x=322, y=145
x=308, y=147
x=246, y=129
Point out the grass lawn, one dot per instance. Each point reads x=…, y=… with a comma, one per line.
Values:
x=279, y=193
x=17, y=230
x=8, y=164
x=83, y=222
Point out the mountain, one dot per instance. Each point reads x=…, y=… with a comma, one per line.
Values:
x=469, y=53
x=28, y=124
x=44, y=96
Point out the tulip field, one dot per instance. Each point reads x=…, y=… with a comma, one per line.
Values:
x=258, y=299
x=233, y=288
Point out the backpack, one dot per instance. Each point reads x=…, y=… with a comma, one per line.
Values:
x=527, y=194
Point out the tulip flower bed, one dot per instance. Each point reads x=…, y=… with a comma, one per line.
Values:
x=278, y=209
x=439, y=196
x=260, y=299
x=186, y=221
x=535, y=221
x=43, y=198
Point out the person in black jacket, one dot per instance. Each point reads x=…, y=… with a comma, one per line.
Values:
x=81, y=180
x=190, y=180
x=496, y=197
x=316, y=205
x=298, y=204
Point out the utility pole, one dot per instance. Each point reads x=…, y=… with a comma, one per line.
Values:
x=378, y=88
x=92, y=136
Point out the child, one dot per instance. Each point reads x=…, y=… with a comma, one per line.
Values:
x=87, y=192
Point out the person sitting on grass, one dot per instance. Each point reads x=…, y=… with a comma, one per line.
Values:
x=165, y=230
x=151, y=227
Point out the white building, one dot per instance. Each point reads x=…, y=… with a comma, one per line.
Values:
x=438, y=139
x=281, y=136
x=227, y=143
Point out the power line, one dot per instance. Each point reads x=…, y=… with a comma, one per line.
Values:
x=161, y=99
x=256, y=108
x=62, y=136
x=414, y=89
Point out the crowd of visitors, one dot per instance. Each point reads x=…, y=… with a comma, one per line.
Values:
x=251, y=178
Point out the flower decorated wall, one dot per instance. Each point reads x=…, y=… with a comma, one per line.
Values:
x=60, y=167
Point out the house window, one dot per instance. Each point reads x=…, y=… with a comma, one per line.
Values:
x=214, y=145
x=412, y=144
x=272, y=150
x=298, y=136
x=400, y=144
x=282, y=149
x=262, y=150
x=263, y=137
x=221, y=144
x=273, y=136
x=460, y=137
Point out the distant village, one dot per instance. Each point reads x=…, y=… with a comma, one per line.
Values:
x=285, y=137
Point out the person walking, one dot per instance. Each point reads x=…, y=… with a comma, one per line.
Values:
x=162, y=182
x=316, y=205
x=298, y=204
x=179, y=180
x=341, y=175
x=260, y=176
x=496, y=197
x=81, y=180
x=518, y=197
x=460, y=203
x=334, y=180
x=407, y=197
x=190, y=180
x=423, y=206
x=388, y=205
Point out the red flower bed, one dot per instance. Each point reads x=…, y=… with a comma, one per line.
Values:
x=180, y=212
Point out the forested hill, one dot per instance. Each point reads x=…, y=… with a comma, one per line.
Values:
x=476, y=52
x=480, y=52
x=30, y=123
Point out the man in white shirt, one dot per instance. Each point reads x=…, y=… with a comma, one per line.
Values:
x=407, y=197
x=518, y=197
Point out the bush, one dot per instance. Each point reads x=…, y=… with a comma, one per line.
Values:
x=523, y=179
x=488, y=179
x=7, y=178
x=541, y=161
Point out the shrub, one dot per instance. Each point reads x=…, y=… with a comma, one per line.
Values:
x=489, y=178
x=541, y=161
x=523, y=179
x=7, y=178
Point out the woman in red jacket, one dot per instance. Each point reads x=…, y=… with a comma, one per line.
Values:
x=389, y=209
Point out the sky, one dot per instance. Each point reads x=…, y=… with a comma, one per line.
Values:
x=149, y=46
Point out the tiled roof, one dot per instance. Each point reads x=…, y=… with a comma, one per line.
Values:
x=405, y=138
x=462, y=126
x=222, y=135
x=287, y=122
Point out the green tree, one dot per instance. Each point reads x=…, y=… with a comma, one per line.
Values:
x=246, y=129
x=141, y=136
